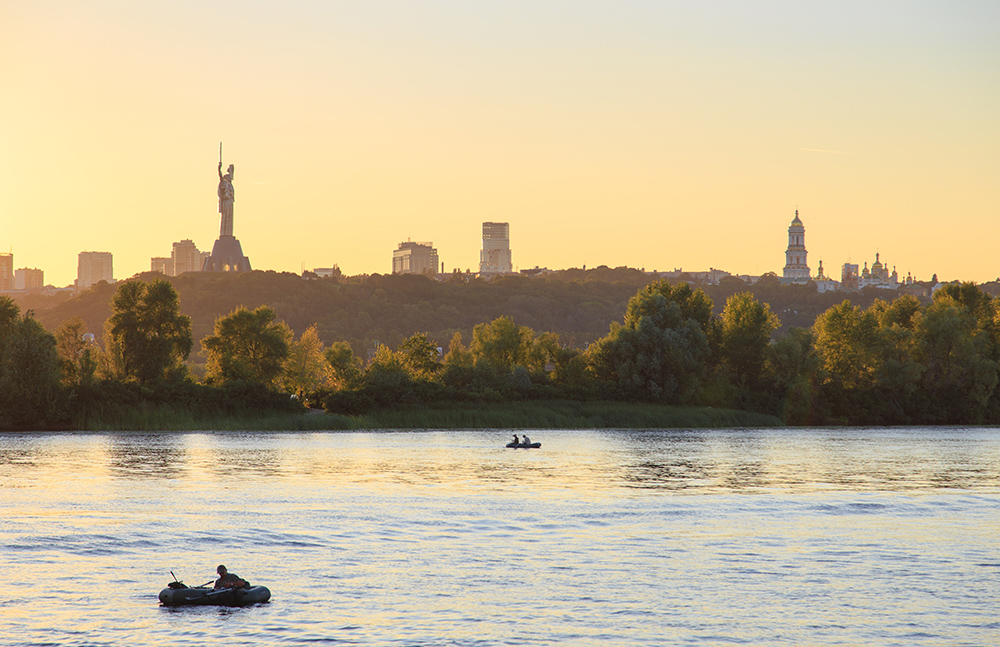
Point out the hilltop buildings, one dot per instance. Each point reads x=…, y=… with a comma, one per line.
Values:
x=185, y=257
x=29, y=279
x=495, y=256
x=415, y=258
x=422, y=258
x=6, y=272
x=796, y=267
x=92, y=268
x=878, y=276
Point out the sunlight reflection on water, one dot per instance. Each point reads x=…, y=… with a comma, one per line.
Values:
x=801, y=537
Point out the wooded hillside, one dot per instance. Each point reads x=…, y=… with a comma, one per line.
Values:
x=577, y=304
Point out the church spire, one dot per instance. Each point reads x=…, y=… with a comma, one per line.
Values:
x=796, y=266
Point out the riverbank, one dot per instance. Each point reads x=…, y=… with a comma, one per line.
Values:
x=557, y=414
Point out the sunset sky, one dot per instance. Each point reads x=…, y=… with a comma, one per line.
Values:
x=652, y=133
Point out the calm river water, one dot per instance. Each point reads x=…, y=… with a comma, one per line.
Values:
x=775, y=537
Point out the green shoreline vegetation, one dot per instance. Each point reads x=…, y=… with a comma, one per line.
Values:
x=673, y=361
x=563, y=414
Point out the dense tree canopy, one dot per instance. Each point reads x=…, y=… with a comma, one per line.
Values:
x=863, y=361
x=306, y=368
x=30, y=393
x=248, y=346
x=146, y=333
x=744, y=336
x=661, y=351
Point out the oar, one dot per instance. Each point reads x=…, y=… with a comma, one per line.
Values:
x=199, y=586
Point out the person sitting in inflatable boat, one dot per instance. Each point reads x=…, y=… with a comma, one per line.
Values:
x=229, y=580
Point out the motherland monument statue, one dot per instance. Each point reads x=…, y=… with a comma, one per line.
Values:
x=227, y=253
x=226, y=198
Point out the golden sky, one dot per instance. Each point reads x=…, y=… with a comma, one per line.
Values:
x=652, y=134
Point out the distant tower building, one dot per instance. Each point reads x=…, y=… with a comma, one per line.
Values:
x=796, y=267
x=29, y=279
x=849, y=275
x=162, y=264
x=186, y=258
x=6, y=272
x=93, y=267
x=415, y=258
x=495, y=255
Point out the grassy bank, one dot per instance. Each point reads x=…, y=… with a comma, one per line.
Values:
x=511, y=415
x=564, y=415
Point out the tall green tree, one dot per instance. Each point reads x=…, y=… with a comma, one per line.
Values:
x=30, y=391
x=745, y=330
x=458, y=355
x=306, y=368
x=797, y=373
x=847, y=338
x=420, y=357
x=976, y=303
x=248, y=346
x=344, y=365
x=650, y=301
x=78, y=355
x=387, y=380
x=147, y=333
x=501, y=344
x=661, y=351
x=959, y=373
x=871, y=376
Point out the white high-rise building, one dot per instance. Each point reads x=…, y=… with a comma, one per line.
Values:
x=92, y=268
x=796, y=266
x=495, y=256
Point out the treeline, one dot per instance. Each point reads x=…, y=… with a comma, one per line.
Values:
x=366, y=311
x=898, y=362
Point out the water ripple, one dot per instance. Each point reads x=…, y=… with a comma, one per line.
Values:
x=819, y=537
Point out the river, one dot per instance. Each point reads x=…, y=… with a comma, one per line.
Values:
x=758, y=537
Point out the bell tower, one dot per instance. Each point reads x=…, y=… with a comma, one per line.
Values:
x=796, y=267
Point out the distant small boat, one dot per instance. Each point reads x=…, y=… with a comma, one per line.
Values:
x=514, y=445
x=178, y=594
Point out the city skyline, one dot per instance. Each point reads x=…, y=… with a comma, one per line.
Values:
x=422, y=258
x=654, y=135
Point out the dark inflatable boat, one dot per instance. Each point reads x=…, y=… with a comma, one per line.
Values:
x=179, y=594
x=523, y=446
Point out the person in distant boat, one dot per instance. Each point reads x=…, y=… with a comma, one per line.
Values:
x=525, y=440
x=228, y=580
x=516, y=441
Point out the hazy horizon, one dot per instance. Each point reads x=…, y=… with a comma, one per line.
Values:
x=658, y=135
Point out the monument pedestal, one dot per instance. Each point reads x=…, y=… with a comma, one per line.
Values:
x=227, y=256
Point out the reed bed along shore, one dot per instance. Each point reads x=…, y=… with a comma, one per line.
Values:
x=445, y=415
